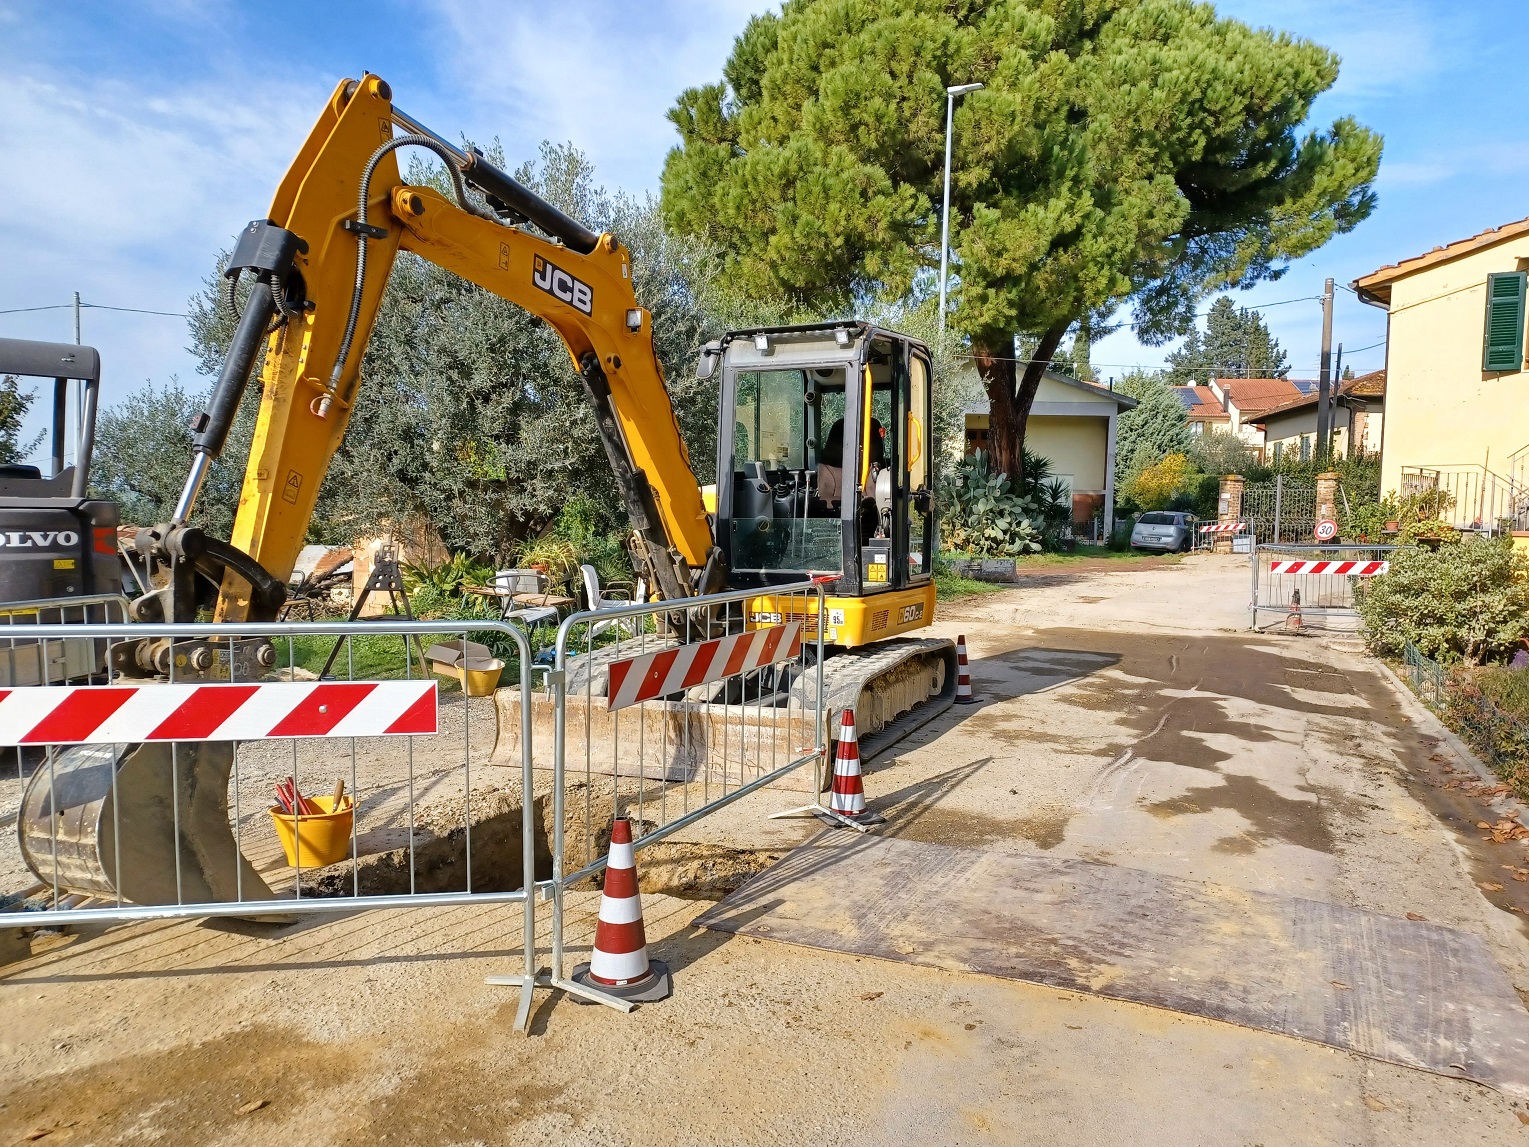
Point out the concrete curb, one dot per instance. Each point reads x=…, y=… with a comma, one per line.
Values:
x=1431, y=725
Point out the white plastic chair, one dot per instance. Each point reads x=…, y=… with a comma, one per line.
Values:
x=507, y=583
x=611, y=597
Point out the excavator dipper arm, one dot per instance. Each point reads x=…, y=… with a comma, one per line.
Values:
x=321, y=263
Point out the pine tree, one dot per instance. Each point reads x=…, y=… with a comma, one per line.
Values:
x=1142, y=152
x=1236, y=344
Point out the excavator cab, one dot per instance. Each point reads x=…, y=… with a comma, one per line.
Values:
x=823, y=469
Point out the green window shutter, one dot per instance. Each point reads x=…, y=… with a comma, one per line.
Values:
x=1504, y=341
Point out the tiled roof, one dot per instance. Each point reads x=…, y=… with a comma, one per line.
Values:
x=1377, y=284
x=1254, y=395
x=1372, y=385
x=1201, y=403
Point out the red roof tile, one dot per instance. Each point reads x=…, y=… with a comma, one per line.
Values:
x=1377, y=284
x=1372, y=385
x=1254, y=395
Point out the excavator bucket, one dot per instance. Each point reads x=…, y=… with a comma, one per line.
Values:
x=147, y=822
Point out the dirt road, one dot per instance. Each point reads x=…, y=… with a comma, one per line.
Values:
x=1127, y=718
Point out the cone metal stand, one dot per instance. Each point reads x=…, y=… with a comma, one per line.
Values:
x=846, y=801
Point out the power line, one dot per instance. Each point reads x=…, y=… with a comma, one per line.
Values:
x=25, y=310
x=136, y=310
x=95, y=307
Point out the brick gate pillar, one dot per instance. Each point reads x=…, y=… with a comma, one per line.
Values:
x=1229, y=508
x=1327, y=496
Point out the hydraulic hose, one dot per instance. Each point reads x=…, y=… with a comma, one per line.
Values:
x=363, y=200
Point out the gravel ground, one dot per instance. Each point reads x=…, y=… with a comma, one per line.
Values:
x=1127, y=717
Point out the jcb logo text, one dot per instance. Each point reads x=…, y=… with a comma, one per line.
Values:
x=561, y=285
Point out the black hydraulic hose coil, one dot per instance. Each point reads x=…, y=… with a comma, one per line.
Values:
x=363, y=198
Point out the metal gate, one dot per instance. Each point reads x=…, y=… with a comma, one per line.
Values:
x=1280, y=511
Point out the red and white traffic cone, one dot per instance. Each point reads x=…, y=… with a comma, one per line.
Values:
x=620, y=965
x=963, y=674
x=846, y=797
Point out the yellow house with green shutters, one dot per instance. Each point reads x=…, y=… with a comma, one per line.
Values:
x=1457, y=391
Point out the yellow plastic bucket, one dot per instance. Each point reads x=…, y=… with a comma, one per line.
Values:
x=322, y=838
x=479, y=675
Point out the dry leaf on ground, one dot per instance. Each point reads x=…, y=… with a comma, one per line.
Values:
x=252, y=1105
x=1341, y=984
x=1374, y=1104
x=1415, y=916
x=871, y=995
x=1488, y=886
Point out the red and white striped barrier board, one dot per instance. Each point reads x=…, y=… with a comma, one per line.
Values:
x=673, y=670
x=125, y=714
x=1349, y=569
x=1224, y=528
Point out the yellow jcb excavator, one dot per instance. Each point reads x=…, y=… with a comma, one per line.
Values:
x=824, y=464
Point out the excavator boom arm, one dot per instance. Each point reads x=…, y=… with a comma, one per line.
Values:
x=343, y=193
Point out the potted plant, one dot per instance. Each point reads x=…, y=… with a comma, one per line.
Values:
x=553, y=557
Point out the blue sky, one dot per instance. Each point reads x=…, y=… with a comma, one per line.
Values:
x=139, y=137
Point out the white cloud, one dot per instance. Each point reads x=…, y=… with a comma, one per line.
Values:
x=600, y=75
x=124, y=192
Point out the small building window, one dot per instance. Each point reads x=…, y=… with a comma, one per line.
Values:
x=1306, y=447
x=1503, y=338
x=1279, y=448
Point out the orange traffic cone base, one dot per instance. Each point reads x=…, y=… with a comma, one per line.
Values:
x=657, y=985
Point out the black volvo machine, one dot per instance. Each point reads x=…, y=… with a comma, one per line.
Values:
x=57, y=544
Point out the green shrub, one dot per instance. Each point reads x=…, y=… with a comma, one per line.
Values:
x=448, y=578
x=1466, y=602
x=982, y=516
x=1416, y=515
x=595, y=537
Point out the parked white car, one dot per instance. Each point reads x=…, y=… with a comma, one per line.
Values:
x=1171, y=531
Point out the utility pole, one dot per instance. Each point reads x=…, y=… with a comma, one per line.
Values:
x=76, y=318
x=1324, y=377
x=950, y=114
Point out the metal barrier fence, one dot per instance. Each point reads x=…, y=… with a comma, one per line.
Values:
x=666, y=715
x=1206, y=534
x=149, y=799
x=24, y=662
x=141, y=799
x=1316, y=581
x=1427, y=677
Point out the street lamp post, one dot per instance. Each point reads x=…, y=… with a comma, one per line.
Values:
x=950, y=110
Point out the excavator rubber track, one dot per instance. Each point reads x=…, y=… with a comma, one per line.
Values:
x=893, y=687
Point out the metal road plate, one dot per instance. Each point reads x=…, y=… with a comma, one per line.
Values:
x=1410, y=993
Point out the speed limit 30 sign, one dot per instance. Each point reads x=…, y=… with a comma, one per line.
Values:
x=1326, y=530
